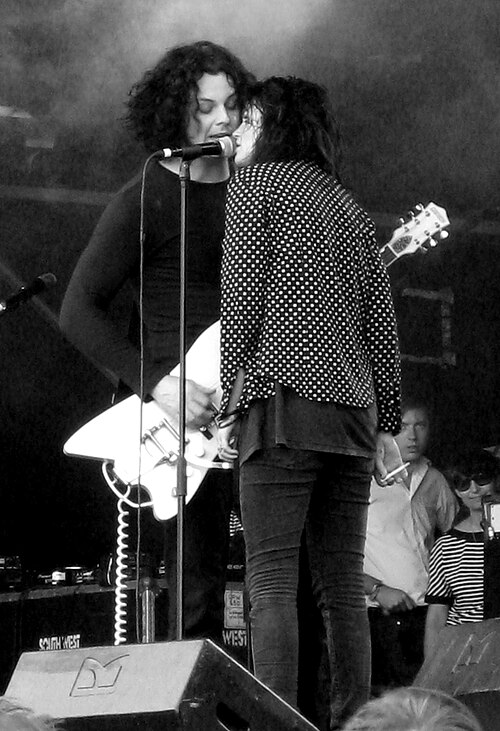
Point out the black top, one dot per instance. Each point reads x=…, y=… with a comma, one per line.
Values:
x=112, y=258
x=289, y=420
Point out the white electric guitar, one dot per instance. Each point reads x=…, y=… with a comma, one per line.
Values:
x=144, y=451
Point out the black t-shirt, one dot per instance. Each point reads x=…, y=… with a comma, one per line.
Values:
x=112, y=259
x=289, y=420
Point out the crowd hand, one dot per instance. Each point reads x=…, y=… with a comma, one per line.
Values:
x=200, y=409
x=394, y=600
x=387, y=458
x=227, y=439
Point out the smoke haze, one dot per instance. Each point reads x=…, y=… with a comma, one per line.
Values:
x=415, y=85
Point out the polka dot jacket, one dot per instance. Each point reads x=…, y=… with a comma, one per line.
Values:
x=306, y=299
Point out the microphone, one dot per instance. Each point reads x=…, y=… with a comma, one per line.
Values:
x=218, y=147
x=38, y=285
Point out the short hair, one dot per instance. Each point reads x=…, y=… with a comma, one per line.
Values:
x=158, y=103
x=15, y=717
x=297, y=123
x=413, y=709
x=411, y=402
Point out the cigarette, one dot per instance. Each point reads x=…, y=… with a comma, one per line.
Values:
x=397, y=470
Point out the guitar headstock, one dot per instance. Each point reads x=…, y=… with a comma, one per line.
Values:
x=423, y=229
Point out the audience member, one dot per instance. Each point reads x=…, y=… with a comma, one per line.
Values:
x=413, y=709
x=15, y=717
x=456, y=572
x=402, y=523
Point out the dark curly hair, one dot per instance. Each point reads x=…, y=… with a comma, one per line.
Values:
x=297, y=123
x=158, y=103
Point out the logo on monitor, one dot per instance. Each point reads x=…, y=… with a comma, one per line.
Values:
x=94, y=678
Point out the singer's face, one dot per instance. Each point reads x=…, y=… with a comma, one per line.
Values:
x=214, y=110
x=246, y=136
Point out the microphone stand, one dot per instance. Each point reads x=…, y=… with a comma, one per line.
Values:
x=181, y=489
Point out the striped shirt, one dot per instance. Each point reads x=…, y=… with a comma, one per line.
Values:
x=456, y=576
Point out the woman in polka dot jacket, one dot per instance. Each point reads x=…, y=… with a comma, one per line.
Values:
x=311, y=377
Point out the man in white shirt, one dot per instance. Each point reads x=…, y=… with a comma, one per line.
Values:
x=402, y=523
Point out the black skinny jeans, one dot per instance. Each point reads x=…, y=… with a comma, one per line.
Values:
x=283, y=492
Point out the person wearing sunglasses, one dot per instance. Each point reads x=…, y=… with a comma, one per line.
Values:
x=456, y=569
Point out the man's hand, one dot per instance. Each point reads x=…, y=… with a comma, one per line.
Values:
x=394, y=600
x=199, y=405
x=388, y=458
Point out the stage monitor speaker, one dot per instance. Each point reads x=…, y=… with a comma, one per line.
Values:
x=187, y=685
x=465, y=665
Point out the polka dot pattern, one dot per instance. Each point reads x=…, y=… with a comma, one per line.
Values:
x=306, y=298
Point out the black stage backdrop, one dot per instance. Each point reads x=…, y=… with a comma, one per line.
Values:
x=415, y=86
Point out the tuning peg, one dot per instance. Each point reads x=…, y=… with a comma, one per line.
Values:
x=401, y=221
x=443, y=235
x=419, y=207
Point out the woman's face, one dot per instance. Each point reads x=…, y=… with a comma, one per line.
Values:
x=473, y=496
x=246, y=136
x=214, y=110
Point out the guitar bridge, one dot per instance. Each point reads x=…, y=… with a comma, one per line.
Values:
x=169, y=457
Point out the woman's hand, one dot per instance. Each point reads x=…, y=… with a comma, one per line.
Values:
x=388, y=458
x=228, y=422
x=227, y=439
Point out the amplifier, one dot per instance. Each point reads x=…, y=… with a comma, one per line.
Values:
x=65, y=618
x=72, y=617
x=9, y=622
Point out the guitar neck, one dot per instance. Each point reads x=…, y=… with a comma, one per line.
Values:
x=413, y=235
x=388, y=256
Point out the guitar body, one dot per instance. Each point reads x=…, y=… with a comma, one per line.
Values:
x=147, y=456
x=146, y=453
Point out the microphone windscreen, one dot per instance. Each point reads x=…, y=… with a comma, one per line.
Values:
x=228, y=146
